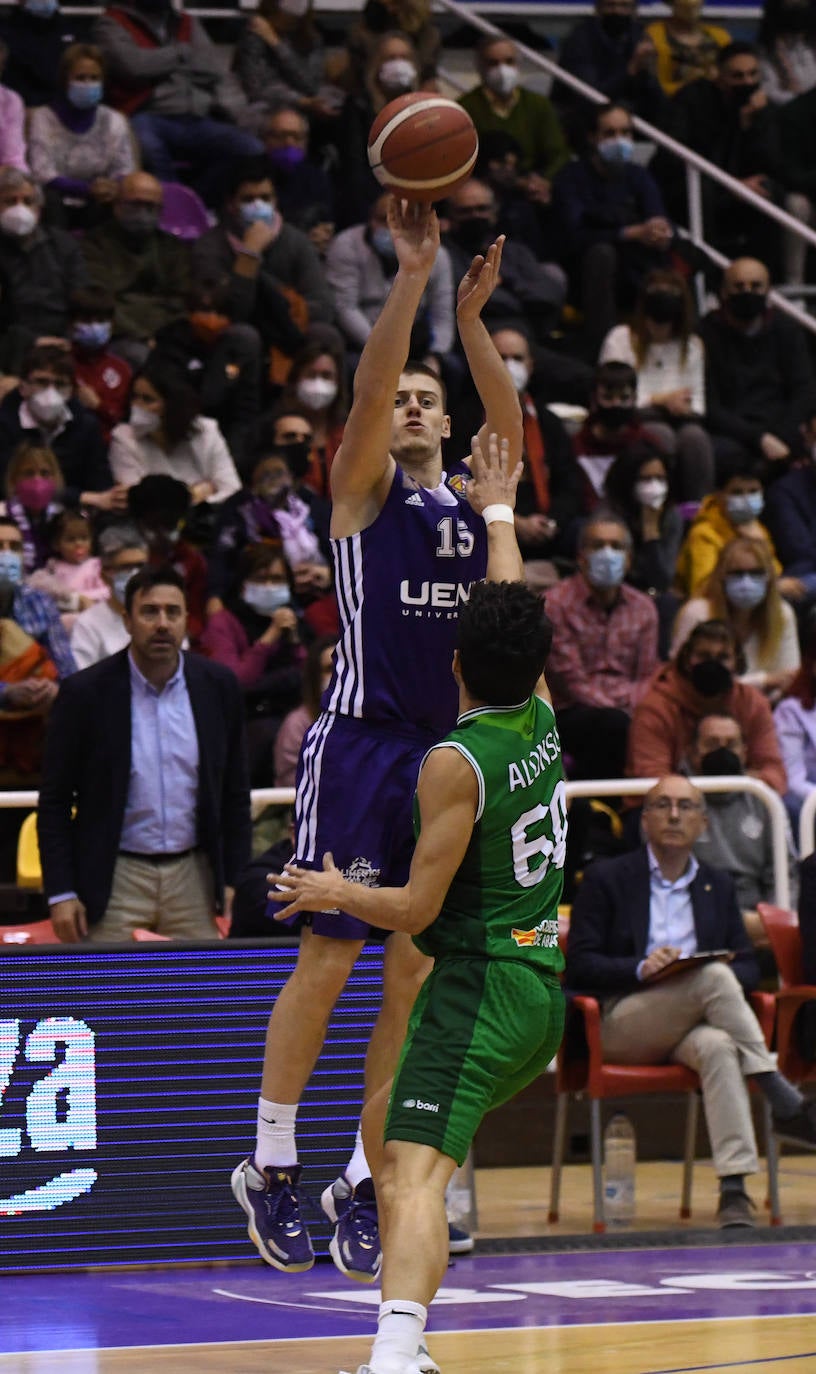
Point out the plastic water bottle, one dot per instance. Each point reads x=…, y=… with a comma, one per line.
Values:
x=619, y=1171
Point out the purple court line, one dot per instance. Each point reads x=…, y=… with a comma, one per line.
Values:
x=737, y=1364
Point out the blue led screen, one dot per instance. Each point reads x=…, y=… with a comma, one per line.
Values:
x=128, y=1092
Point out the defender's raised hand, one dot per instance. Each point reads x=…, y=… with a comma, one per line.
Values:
x=479, y=282
x=492, y=484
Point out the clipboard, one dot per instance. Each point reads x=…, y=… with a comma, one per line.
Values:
x=684, y=962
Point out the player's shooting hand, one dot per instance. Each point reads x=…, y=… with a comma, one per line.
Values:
x=415, y=233
x=492, y=483
x=479, y=282
x=309, y=889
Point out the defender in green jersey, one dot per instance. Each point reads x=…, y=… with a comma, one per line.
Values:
x=482, y=898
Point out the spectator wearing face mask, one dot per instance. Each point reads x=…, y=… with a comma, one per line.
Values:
x=316, y=385
x=302, y=184
x=610, y=51
x=730, y=122
x=638, y=487
x=166, y=74
x=791, y=517
x=39, y=266
x=277, y=283
x=100, y=631
x=738, y=838
x=795, y=721
x=257, y=635
x=270, y=509
x=500, y=104
x=36, y=33
x=530, y=294
x=78, y=147
x=732, y=509
x=36, y=614
x=158, y=506
x=611, y=430
x=661, y=345
x=220, y=359
x=613, y=220
x=743, y=591
x=103, y=379
x=392, y=70
x=360, y=268
x=145, y=270
x=34, y=492
x=604, y=650
x=759, y=377
x=414, y=18
x=43, y=409
x=702, y=680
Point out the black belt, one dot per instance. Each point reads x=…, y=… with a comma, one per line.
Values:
x=159, y=858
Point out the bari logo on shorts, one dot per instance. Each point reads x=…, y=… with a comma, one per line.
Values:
x=542, y=936
x=361, y=871
x=418, y=1105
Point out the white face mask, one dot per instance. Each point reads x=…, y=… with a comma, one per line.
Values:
x=503, y=78
x=398, y=74
x=142, y=420
x=315, y=393
x=18, y=221
x=48, y=406
x=651, y=492
x=267, y=597
x=519, y=372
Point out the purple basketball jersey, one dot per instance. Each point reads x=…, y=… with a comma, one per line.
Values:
x=400, y=584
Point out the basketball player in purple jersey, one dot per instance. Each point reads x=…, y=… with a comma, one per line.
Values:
x=407, y=545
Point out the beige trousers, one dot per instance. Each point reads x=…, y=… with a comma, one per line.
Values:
x=699, y=1019
x=174, y=899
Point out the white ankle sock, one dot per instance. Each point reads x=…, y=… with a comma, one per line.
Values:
x=399, y=1332
x=357, y=1168
x=276, y=1135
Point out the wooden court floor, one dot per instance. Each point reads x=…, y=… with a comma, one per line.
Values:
x=513, y=1202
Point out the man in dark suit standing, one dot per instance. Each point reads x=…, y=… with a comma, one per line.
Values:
x=634, y=918
x=148, y=747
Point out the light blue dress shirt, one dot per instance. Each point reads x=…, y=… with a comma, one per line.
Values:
x=671, y=915
x=162, y=799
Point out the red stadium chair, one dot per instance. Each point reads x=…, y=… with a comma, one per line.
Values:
x=782, y=930
x=35, y=933
x=582, y=1072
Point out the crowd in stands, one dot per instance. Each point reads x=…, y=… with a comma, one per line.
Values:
x=193, y=250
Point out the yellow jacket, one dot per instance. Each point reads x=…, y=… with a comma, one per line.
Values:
x=679, y=63
x=710, y=531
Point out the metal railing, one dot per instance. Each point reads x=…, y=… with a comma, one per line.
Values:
x=615, y=787
x=694, y=163
x=806, y=822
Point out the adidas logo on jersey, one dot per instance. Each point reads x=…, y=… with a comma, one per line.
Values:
x=415, y=500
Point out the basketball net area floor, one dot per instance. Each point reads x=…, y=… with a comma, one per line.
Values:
x=747, y=1305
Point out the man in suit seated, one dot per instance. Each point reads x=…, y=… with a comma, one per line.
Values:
x=144, y=804
x=632, y=918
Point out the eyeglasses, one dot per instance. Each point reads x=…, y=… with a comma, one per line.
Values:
x=665, y=805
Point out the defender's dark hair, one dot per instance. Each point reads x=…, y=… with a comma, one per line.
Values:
x=148, y=578
x=504, y=640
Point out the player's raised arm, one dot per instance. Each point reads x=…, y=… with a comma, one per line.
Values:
x=363, y=459
x=492, y=494
x=493, y=381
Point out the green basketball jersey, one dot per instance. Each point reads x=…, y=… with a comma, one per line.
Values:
x=503, y=900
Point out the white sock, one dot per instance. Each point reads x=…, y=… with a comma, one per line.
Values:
x=399, y=1332
x=357, y=1168
x=276, y=1135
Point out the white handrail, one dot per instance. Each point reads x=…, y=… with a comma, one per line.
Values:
x=806, y=818
x=655, y=135
x=616, y=787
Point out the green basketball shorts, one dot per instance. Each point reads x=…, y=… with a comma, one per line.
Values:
x=480, y=1031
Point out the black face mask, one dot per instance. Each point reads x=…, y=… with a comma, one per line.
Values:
x=296, y=457
x=614, y=417
x=664, y=307
x=711, y=678
x=720, y=762
x=472, y=233
x=615, y=25
x=746, y=305
x=740, y=95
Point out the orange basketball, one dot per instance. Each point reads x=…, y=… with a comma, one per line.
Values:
x=422, y=145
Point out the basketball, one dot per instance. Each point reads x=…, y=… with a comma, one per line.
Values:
x=422, y=145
